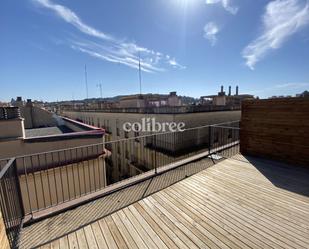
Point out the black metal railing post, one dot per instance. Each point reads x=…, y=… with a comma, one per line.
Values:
x=18, y=189
x=155, y=155
x=209, y=139
x=11, y=204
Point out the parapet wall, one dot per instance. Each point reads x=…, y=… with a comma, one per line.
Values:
x=276, y=129
x=36, y=117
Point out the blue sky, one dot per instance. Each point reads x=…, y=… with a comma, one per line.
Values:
x=190, y=46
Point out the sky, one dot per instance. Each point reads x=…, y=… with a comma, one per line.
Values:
x=189, y=46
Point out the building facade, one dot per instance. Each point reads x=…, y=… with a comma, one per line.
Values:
x=136, y=155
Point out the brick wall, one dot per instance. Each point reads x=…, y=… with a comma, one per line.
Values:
x=276, y=129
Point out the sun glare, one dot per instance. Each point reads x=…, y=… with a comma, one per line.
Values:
x=184, y=3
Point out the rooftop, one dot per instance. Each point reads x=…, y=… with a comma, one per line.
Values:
x=47, y=131
x=241, y=202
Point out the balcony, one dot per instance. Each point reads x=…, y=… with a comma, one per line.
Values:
x=211, y=196
x=241, y=202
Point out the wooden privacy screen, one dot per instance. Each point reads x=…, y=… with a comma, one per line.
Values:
x=276, y=129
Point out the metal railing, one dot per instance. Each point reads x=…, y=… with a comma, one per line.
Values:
x=11, y=202
x=37, y=182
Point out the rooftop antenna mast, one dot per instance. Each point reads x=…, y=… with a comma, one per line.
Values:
x=86, y=81
x=140, y=73
x=100, y=86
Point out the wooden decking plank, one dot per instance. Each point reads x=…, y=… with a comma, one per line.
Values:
x=107, y=234
x=173, y=226
x=152, y=223
x=46, y=246
x=208, y=234
x=73, y=244
x=136, y=237
x=170, y=233
x=264, y=214
x=214, y=238
x=152, y=234
x=91, y=241
x=64, y=243
x=217, y=231
x=124, y=232
x=140, y=230
x=251, y=232
x=265, y=208
x=293, y=237
x=115, y=232
x=260, y=193
x=261, y=228
x=214, y=218
x=299, y=175
x=234, y=204
x=99, y=237
x=258, y=179
x=264, y=174
x=257, y=221
x=81, y=238
x=248, y=192
x=184, y=225
x=55, y=244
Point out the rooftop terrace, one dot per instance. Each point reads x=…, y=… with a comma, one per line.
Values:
x=211, y=197
x=241, y=202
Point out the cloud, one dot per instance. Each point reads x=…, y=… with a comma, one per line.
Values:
x=292, y=85
x=175, y=64
x=107, y=47
x=282, y=19
x=210, y=32
x=226, y=4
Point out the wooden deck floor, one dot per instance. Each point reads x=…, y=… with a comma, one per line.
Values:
x=238, y=203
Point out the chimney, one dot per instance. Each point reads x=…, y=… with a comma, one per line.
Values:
x=19, y=101
x=173, y=93
x=230, y=90
x=29, y=102
x=236, y=90
x=221, y=89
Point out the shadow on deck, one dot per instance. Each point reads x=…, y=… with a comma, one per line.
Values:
x=285, y=176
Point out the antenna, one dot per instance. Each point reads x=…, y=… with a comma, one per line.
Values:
x=140, y=74
x=100, y=86
x=86, y=81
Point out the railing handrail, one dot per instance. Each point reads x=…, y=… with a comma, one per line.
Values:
x=7, y=166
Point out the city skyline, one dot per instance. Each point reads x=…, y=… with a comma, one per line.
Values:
x=191, y=47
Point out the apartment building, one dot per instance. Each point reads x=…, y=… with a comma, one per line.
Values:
x=137, y=157
x=28, y=132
